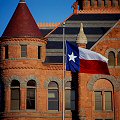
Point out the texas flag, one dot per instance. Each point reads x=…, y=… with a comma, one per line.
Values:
x=85, y=61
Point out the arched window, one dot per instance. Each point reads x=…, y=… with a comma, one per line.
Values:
x=15, y=95
x=69, y=96
x=31, y=94
x=53, y=96
x=118, y=59
x=111, y=58
x=103, y=95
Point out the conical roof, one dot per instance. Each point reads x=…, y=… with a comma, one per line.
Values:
x=22, y=23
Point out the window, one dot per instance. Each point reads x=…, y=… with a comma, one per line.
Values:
x=98, y=100
x=111, y=59
x=118, y=59
x=98, y=119
x=15, y=95
x=106, y=3
x=103, y=119
x=23, y=50
x=103, y=100
x=108, y=100
x=69, y=97
x=6, y=52
x=53, y=96
x=108, y=119
x=99, y=3
x=31, y=91
x=39, y=52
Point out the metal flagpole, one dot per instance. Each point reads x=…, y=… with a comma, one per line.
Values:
x=63, y=91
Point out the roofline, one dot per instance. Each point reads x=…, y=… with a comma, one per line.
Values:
x=58, y=25
x=105, y=35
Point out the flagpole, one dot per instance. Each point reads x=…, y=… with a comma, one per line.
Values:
x=63, y=111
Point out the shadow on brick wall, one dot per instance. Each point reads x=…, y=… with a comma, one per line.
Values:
x=2, y=102
x=75, y=113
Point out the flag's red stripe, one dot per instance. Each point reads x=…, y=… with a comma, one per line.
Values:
x=93, y=67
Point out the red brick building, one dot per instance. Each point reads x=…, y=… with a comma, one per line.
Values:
x=31, y=65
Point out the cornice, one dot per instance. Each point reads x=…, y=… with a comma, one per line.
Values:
x=101, y=11
x=53, y=67
x=44, y=40
x=41, y=67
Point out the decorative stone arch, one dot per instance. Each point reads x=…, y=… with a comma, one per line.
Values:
x=31, y=78
x=118, y=50
x=112, y=79
x=118, y=53
x=54, y=79
x=111, y=50
x=68, y=80
x=8, y=81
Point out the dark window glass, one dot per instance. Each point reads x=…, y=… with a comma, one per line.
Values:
x=98, y=100
x=23, y=50
x=53, y=100
x=15, y=95
x=108, y=119
x=118, y=59
x=39, y=52
x=108, y=100
x=15, y=83
x=98, y=119
x=31, y=88
x=53, y=85
x=106, y=3
x=6, y=52
x=69, y=97
x=30, y=98
x=99, y=2
x=53, y=96
x=31, y=83
x=111, y=59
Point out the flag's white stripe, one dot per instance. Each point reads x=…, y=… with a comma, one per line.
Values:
x=90, y=55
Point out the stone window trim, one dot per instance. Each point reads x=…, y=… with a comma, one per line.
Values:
x=111, y=50
x=69, y=79
x=116, y=51
x=53, y=79
x=32, y=78
x=7, y=81
x=112, y=79
x=57, y=80
x=23, y=83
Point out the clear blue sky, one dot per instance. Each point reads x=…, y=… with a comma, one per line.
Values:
x=42, y=10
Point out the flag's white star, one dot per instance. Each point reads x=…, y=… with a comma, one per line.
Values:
x=72, y=57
